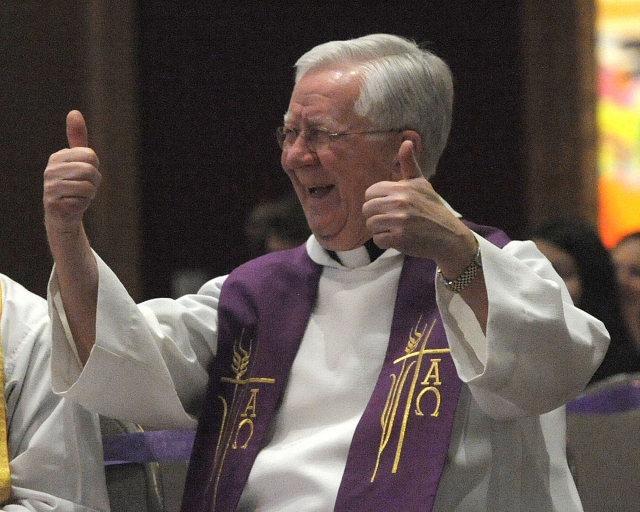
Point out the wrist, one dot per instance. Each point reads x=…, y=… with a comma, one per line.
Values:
x=466, y=277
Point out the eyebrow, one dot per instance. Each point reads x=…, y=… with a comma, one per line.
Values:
x=314, y=122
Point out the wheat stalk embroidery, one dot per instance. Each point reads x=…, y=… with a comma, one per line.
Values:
x=398, y=381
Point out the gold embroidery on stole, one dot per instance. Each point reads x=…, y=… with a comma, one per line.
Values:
x=232, y=435
x=411, y=361
x=5, y=469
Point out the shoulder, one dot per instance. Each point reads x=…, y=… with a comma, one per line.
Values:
x=21, y=309
x=273, y=262
x=24, y=321
x=288, y=268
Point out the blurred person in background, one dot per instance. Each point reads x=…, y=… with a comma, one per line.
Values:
x=276, y=225
x=583, y=262
x=626, y=258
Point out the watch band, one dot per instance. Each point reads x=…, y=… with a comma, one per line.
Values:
x=465, y=279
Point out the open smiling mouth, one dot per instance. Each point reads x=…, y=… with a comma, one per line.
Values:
x=320, y=192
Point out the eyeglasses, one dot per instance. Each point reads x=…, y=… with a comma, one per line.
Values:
x=315, y=138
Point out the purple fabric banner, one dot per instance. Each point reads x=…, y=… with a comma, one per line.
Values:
x=608, y=401
x=152, y=446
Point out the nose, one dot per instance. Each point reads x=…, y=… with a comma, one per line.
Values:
x=298, y=154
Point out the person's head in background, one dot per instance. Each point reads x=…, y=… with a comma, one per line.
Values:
x=577, y=253
x=626, y=259
x=277, y=225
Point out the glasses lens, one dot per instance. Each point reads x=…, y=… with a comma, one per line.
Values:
x=314, y=139
x=319, y=139
x=286, y=136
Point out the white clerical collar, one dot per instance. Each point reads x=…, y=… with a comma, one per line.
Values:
x=355, y=258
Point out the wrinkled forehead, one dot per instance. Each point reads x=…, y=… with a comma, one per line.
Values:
x=326, y=94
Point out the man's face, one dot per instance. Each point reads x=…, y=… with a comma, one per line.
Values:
x=331, y=182
x=626, y=258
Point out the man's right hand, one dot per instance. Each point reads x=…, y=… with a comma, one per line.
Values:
x=71, y=180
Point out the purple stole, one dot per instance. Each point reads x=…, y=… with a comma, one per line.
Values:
x=400, y=445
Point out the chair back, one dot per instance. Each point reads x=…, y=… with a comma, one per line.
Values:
x=603, y=444
x=145, y=469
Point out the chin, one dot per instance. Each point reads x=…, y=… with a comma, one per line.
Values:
x=340, y=242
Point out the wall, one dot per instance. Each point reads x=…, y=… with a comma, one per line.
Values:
x=58, y=56
x=215, y=81
x=182, y=100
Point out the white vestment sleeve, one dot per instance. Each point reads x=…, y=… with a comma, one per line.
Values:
x=539, y=350
x=149, y=362
x=55, y=448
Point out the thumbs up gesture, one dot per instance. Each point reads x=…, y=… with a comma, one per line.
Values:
x=408, y=215
x=71, y=179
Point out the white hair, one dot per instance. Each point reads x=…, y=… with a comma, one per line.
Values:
x=404, y=87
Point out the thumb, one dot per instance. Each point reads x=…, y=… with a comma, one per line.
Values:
x=409, y=168
x=77, y=130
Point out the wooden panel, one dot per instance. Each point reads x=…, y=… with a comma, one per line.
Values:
x=111, y=92
x=58, y=56
x=40, y=77
x=559, y=109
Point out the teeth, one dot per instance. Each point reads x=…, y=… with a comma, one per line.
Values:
x=317, y=191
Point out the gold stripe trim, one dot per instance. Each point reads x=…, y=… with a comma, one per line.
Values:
x=5, y=469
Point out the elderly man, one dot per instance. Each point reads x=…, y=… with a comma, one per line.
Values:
x=402, y=359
